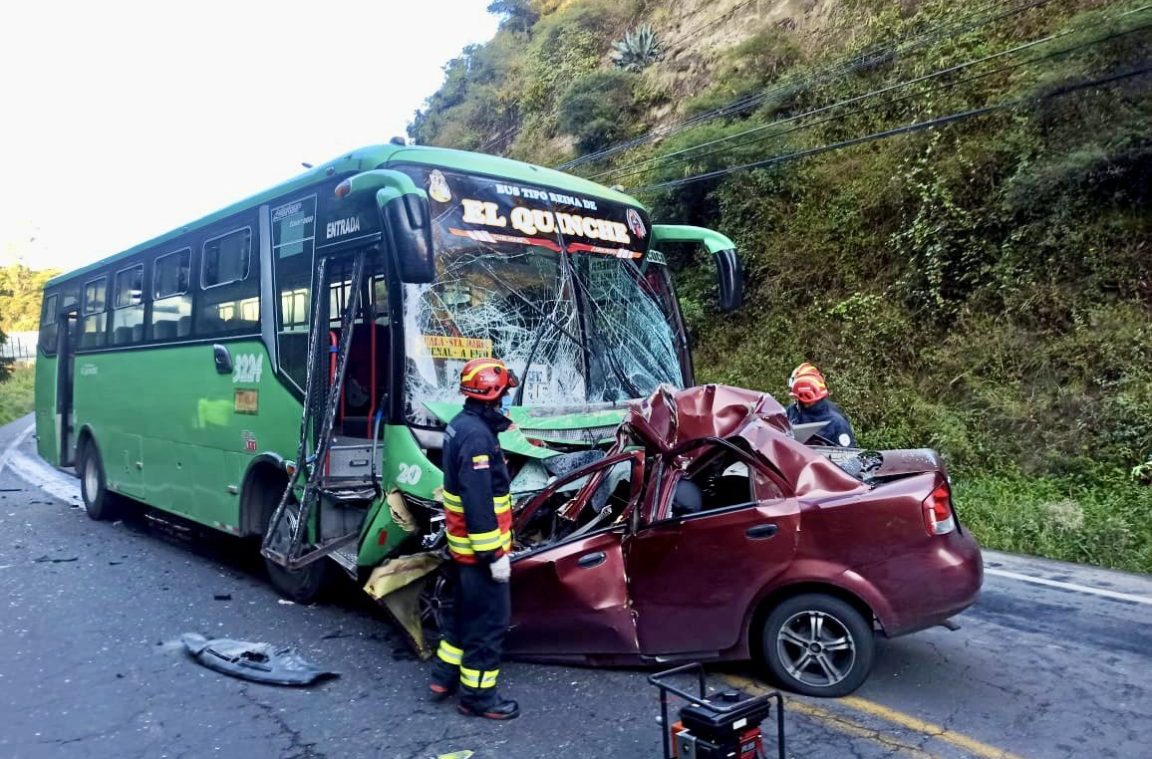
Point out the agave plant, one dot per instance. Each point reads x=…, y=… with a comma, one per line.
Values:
x=637, y=50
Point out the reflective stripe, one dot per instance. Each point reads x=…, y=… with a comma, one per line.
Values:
x=459, y=545
x=485, y=541
x=474, y=678
x=479, y=369
x=458, y=509
x=469, y=678
x=450, y=653
x=502, y=503
x=451, y=497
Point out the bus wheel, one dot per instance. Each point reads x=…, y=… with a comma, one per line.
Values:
x=307, y=584
x=98, y=502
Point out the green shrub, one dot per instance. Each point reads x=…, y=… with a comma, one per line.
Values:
x=17, y=394
x=598, y=108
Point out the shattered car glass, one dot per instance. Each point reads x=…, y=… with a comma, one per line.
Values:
x=569, y=311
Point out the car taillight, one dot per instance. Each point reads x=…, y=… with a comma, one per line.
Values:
x=938, y=519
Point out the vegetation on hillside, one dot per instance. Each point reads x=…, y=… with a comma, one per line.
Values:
x=984, y=287
x=16, y=394
x=20, y=292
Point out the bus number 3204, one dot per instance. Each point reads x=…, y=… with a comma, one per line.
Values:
x=249, y=367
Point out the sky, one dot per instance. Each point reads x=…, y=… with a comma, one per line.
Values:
x=123, y=120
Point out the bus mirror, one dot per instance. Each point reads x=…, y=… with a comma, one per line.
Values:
x=407, y=219
x=728, y=268
x=730, y=274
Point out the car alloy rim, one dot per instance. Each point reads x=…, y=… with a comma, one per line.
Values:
x=91, y=481
x=433, y=603
x=816, y=648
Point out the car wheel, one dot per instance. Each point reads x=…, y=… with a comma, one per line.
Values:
x=436, y=607
x=817, y=645
x=99, y=504
x=307, y=584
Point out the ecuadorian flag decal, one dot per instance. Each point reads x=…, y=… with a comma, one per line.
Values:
x=480, y=462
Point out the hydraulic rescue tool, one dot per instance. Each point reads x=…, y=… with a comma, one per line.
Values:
x=718, y=725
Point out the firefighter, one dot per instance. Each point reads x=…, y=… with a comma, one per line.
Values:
x=478, y=521
x=812, y=404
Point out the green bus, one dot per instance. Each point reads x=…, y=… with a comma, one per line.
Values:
x=283, y=370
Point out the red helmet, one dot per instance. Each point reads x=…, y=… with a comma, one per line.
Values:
x=807, y=384
x=486, y=379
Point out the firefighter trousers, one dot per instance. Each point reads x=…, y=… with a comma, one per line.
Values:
x=472, y=638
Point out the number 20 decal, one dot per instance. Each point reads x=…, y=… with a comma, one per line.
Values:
x=409, y=474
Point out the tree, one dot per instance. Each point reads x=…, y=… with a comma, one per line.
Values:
x=20, y=291
x=5, y=363
x=518, y=14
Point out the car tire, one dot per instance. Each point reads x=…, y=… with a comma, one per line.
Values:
x=306, y=585
x=99, y=504
x=436, y=603
x=817, y=645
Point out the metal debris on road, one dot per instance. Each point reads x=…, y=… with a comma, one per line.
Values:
x=51, y=560
x=258, y=662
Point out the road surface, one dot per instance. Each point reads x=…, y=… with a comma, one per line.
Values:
x=1054, y=661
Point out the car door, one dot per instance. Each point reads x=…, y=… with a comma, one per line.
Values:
x=694, y=577
x=570, y=596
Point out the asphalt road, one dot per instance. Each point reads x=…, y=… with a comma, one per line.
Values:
x=1054, y=661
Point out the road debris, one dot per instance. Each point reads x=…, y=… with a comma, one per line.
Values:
x=55, y=560
x=222, y=597
x=258, y=662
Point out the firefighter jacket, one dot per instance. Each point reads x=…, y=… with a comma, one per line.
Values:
x=836, y=431
x=477, y=506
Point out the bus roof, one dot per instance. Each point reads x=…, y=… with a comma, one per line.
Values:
x=373, y=157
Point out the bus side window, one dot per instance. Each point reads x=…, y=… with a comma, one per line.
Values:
x=230, y=301
x=128, y=306
x=49, y=324
x=171, y=301
x=93, y=331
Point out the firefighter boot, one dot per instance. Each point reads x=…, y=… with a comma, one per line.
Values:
x=493, y=707
x=445, y=673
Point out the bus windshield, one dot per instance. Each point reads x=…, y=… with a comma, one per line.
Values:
x=549, y=282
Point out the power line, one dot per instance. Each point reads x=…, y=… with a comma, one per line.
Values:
x=905, y=129
x=689, y=154
x=844, y=67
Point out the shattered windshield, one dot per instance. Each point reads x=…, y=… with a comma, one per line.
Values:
x=547, y=281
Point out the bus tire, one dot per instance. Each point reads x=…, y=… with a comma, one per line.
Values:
x=305, y=585
x=99, y=504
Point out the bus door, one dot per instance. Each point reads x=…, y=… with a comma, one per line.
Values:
x=67, y=339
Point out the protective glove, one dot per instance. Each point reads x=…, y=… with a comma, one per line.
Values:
x=501, y=569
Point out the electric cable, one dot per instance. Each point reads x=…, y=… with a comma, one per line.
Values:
x=846, y=66
x=905, y=129
x=689, y=154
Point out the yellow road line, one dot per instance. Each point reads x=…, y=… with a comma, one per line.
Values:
x=972, y=746
x=937, y=732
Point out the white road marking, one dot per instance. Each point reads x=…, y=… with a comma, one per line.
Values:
x=11, y=449
x=36, y=472
x=1069, y=586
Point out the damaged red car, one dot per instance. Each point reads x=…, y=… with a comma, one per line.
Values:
x=707, y=532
